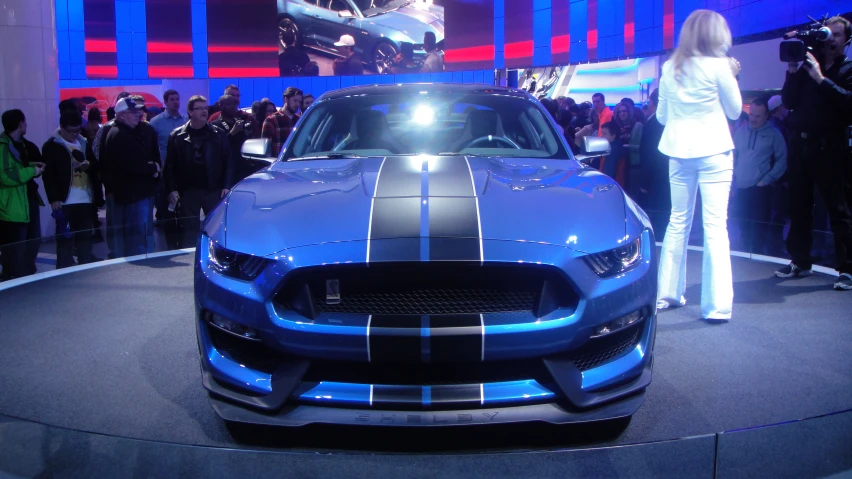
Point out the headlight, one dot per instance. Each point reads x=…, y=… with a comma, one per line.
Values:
x=616, y=261
x=236, y=265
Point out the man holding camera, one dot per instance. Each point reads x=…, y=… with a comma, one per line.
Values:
x=239, y=125
x=819, y=95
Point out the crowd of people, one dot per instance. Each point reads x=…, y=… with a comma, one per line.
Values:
x=143, y=166
x=759, y=165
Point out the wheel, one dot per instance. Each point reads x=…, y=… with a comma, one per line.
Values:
x=383, y=56
x=288, y=25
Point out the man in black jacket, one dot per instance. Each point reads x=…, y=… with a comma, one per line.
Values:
x=655, y=190
x=199, y=168
x=819, y=95
x=130, y=164
x=67, y=181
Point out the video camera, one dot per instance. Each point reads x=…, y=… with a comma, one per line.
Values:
x=803, y=41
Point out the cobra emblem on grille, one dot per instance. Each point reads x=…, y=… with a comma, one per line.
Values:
x=332, y=291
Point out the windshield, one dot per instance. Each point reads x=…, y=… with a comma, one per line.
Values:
x=473, y=124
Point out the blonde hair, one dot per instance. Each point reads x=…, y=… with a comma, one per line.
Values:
x=705, y=33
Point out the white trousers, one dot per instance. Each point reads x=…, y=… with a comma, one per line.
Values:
x=712, y=174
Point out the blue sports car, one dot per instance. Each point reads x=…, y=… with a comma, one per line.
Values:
x=379, y=27
x=425, y=254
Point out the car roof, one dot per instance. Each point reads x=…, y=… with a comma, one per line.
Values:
x=417, y=88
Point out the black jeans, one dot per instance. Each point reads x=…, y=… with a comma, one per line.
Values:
x=12, y=237
x=825, y=163
x=80, y=243
x=192, y=202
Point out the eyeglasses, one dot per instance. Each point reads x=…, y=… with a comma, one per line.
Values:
x=201, y=108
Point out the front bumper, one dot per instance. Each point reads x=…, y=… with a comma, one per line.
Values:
x=558, y=387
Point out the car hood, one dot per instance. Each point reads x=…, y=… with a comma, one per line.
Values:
x=412, y=20
x=300, y=203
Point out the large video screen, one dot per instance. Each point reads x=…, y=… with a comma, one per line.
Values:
x=264, y=38
x=470, y=35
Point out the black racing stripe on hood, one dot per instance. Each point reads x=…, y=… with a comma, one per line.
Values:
x=396, y=221
x=453, y=229
x=400, y=176
x=450, y=176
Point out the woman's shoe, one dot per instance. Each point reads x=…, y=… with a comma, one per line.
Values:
x=666, y=304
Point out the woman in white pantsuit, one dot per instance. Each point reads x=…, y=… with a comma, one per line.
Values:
x=698, y=92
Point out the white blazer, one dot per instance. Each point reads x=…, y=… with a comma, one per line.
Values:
x=694, y=110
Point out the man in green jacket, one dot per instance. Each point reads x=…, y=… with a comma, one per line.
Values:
x=15, y=173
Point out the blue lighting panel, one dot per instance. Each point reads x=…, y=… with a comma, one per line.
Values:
x=541, y=34
x=579, y=25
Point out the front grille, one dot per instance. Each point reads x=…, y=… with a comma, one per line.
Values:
x=433, y=301
x=426, y=288
x=601, y=350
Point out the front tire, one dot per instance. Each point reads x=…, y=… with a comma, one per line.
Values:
x=383, y=55
x=288, y=24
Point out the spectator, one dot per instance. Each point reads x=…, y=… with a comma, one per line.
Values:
x=434, y=61
x=307, y=101
x=199, y=169
x=69, y=189
x=553, y=109
x=90, y=132
x=168, y=121
x=589, y=130
x=760, y=160
x=349, y=62
x=237, y=124
x=164, y=124
x=265, y=109
x=149, y=137
x=131, y=167
x=215, y=110
x=278, y=126
x=655, y=186
x=404, y=62
x=630, y=135
x=617, y=152
x=292, y=61
x=604, y=113
x=582, y=116
x=16, y=174
x=778, y=115
x=96, y=145
x=93, y=124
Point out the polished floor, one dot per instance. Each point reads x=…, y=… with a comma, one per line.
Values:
x=112, y=351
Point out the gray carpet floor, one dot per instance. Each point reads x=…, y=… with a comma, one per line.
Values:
x=112, y=350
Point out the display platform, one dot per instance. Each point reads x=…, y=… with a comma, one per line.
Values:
x=99, y=377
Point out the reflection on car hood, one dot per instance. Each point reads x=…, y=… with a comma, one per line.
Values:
x=411, y=20
x=301, y=203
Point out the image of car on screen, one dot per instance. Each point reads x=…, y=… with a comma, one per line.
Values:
x=425, y=254
x=379, y=28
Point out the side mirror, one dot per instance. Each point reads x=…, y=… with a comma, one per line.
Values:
x=594, y=147
x=257, y=150
x=345, y=14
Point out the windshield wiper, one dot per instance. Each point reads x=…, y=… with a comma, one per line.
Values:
x=330, y=156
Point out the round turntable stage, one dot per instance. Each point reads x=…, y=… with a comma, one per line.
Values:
x=99, y=377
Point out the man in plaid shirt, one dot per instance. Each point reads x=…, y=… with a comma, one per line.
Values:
x=278, y=126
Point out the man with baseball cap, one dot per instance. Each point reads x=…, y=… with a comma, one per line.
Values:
x=350, y=63
x=131, y=169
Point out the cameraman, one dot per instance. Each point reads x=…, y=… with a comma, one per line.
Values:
x=819, y=93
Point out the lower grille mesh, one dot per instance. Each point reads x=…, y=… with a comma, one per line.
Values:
x=433, y=301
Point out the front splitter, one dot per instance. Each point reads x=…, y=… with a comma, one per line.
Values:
x=301, y=415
